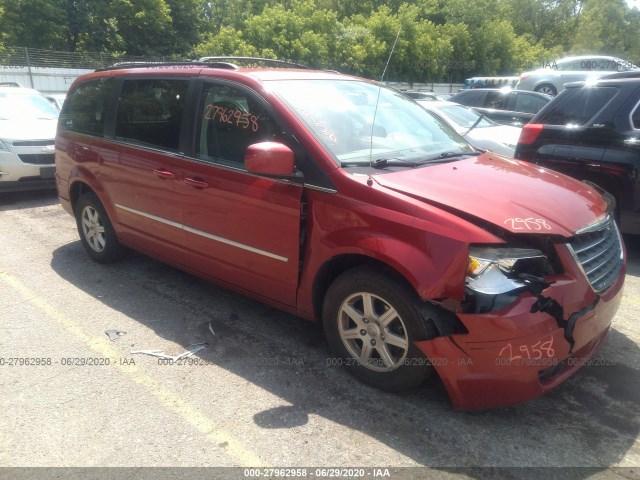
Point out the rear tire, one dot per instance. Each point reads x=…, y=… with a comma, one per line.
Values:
x=96, y=231
x=371, y=322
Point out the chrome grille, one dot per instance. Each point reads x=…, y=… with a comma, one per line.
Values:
x=37, y=158
x=598, y=250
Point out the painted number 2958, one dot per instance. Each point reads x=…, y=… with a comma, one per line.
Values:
x=527, y=223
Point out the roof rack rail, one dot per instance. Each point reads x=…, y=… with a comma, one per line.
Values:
x=185, y=64
x=252, y=61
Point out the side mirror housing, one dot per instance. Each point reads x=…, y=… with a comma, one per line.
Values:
x=271, y=159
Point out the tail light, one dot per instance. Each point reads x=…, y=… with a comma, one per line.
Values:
x=523, y=78
x=530, y=133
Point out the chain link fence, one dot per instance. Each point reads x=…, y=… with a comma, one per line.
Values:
x=38, y=58
x=53, y=72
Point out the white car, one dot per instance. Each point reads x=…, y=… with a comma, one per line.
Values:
x=478, y=130
x=552, y=78
x=27, y=132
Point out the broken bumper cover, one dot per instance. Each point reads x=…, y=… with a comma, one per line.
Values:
x=513, y=355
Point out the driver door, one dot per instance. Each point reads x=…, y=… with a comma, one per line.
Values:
x=241, y=228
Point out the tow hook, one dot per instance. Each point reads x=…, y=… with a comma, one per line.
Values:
x=536, y=286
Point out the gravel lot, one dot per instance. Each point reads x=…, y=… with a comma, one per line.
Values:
x=262, y=393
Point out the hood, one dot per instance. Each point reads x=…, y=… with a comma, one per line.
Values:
x=28, y=129
x=500, y=139
x=514, y=195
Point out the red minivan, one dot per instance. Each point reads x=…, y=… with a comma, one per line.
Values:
x=343, y=201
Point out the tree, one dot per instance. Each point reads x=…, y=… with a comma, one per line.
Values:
x=603, y=28
x=35, y=23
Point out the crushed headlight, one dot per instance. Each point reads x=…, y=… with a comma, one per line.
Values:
x=496, y=270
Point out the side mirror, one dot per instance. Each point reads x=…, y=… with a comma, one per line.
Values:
x=271, y=159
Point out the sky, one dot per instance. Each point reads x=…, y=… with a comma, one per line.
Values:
x=634, y=3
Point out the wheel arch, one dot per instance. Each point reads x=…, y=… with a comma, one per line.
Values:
x=544, y=83
x=78, y=189
x=337, y=265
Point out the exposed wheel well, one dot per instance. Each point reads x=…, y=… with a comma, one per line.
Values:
x=338, y=265
x=77, y=190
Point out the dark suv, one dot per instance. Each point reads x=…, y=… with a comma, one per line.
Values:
x=592, y=133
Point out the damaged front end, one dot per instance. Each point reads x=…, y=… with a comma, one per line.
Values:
x=531, y=315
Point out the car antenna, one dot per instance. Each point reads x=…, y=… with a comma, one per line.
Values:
x=375, y=111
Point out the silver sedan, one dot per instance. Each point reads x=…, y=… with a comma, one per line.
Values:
x=552, y=77
x=478, y=130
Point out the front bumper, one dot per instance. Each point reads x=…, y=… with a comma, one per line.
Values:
x=16, y=175
x=513, y=355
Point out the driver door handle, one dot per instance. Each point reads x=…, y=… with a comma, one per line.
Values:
x=164, y=173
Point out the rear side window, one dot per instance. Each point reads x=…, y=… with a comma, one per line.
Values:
x=229, y=120
x=472, y=99
x=85, y=109
x=496, y=100
x=578, y=106
x=150, y=112
x=527, y=103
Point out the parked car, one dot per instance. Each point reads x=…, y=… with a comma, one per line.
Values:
x=490, y=82
x=592, y=132
x=27, y=133
x=420, y=95
x=475, y=128
x=345, y=202
x=552, y=78
x=57, y=99
x=505, y=106
x=444, y=96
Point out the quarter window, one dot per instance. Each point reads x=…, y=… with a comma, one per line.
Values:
x=229, y=120
x=150, y=112
x=578, y=106
x=85, y=110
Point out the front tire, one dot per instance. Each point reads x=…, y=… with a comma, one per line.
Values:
x=96, y=231
x=547, y=89
x=371, y=322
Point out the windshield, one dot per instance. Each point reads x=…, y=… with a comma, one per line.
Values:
x=18, y=105
x=464, y=117
x=340, y=114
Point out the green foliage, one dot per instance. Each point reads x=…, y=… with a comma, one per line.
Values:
x=439, y=39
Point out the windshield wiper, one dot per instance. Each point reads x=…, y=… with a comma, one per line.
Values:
x=476, y=123
x=393, y=162
x=459, y=154
x=382, y=163
x=444, y=156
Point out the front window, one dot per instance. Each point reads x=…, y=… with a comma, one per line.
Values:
x=360, y=122
x=20, y=106
x=229, y=120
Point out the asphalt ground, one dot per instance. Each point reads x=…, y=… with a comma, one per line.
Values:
x=264, y=392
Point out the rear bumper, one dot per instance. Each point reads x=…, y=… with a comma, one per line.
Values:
x=513, y=355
